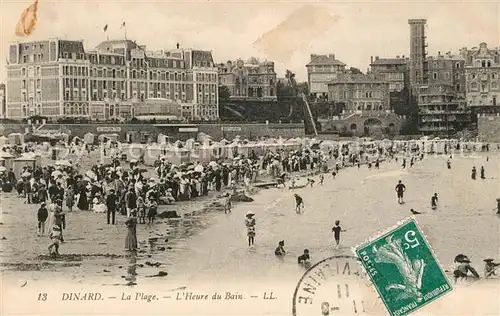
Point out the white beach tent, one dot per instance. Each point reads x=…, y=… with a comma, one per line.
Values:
x=3, y=140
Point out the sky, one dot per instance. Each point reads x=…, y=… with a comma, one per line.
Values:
x=286, y=32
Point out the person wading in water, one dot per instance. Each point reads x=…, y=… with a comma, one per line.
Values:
x=400, y=189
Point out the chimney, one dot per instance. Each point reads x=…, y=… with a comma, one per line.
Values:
x=397, y=56
x=439, y=53
x=331, y=56
x=371, y=59
x=403, y=57
x=177, y=45
x=376, y=57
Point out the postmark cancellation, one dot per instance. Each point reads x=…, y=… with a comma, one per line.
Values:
x=335, y=286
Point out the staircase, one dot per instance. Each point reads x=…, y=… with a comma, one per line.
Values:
x=308, y=117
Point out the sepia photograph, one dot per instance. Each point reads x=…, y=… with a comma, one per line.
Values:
x=264, y=157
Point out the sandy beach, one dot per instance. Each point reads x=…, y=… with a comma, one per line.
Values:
x=208, y=251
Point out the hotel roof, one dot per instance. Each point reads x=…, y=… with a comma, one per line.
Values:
x=318, y=60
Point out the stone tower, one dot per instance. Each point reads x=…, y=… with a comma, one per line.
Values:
x=418, y=68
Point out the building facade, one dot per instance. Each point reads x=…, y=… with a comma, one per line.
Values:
x=393, y=70
x=360, y=92
x=418, y=46
x=251, y=80
x=482, y=71
x=320, y=71
x=2, y=100
x=117, y=80
x=441, y=111
x=447, y=70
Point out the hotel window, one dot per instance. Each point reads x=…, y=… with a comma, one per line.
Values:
x=38, y=83
x=494, y=85
x=473, y=85
x=446, y=75
x=23, y=72
x=434, y=75
x=23, y=97
x=23, y=84
x=493, y=76
x=25, y=59
x=105, y=94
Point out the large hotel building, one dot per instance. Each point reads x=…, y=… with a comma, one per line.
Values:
x=118, y=80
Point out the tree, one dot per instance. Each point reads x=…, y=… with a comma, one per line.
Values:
x=290, y=76
x=224, y=93
x=355, y=71
x=303, y=87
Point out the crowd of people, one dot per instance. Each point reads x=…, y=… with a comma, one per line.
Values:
x=136, y=191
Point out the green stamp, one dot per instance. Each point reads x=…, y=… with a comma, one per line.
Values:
x=403, y=269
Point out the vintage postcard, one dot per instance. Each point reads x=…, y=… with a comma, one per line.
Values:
x=249, y=157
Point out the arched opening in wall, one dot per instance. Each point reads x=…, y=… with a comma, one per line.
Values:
x=372, y=126
x=353, y=126
x=368, y=107
x=380, y=108
x=392, y=129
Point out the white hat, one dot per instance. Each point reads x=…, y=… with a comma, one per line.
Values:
x=250, y=213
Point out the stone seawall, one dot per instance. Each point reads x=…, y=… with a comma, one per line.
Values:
x=489, y=128
x=217, y=131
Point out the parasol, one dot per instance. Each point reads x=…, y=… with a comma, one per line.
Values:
x=56, y=173
x=63, y=163
x=198, y=168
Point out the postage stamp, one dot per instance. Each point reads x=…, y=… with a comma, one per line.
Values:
x=335, y=285
x=403, y=268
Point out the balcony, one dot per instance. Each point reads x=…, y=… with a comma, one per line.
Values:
x=442, y=112
x=436, y=128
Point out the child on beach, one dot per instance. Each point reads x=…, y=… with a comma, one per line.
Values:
x=250, y=224
x=56, y=237
x=304, y=258
x=490, y=267
x=336, y=232
x=42, y=215
x=280, y=250
x=310, y=182
x=321, y=179
x=434, y=201
x=152, y=210
x=299, y=203
x=227, y=203
x=141, y=208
